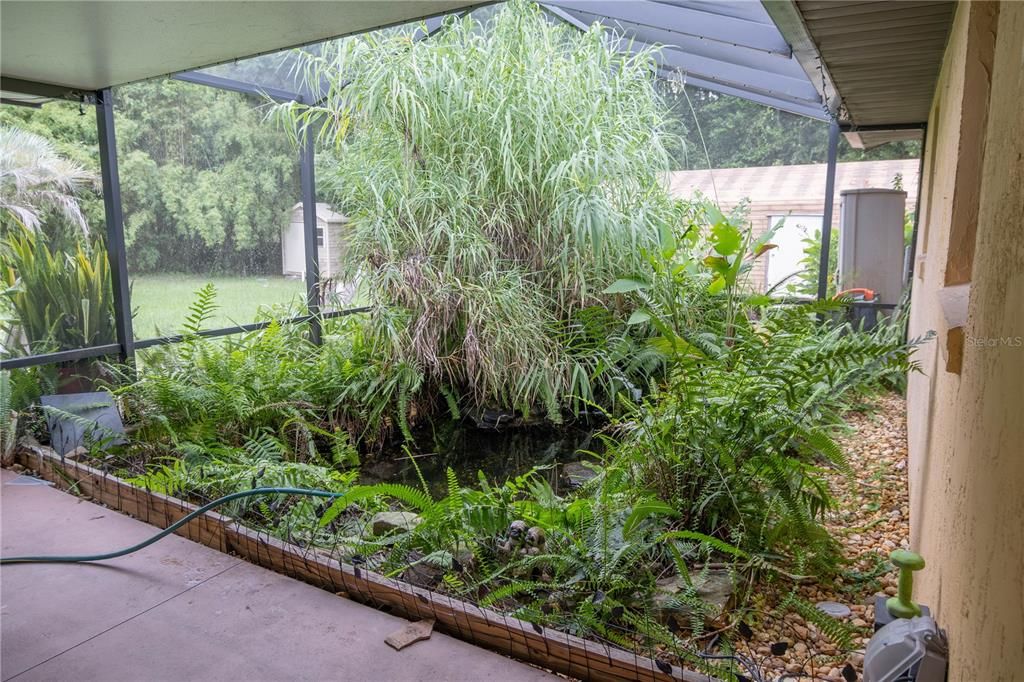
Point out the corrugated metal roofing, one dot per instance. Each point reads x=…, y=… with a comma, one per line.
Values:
x=875, y=63
x=884, y=57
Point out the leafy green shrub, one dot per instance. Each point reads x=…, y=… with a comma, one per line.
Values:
x=722, y=463
x=807, y=279
x=205, y=393
x=220, y=470
x=62, y=300
x=736, y=438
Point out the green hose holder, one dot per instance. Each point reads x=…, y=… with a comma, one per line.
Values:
x=901, y=606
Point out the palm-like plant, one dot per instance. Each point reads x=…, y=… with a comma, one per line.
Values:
x=35, y=180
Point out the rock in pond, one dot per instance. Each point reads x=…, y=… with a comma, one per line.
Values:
x=385, y=522
x=575, y=474
x=78, y=454
x=488, y=418
x=714, y=587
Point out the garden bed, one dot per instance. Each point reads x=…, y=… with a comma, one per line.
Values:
x=528, y=642
x=870, y=520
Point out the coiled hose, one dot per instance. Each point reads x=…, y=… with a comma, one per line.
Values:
x=72, y=559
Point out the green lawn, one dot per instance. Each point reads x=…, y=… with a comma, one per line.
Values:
x=161, y=302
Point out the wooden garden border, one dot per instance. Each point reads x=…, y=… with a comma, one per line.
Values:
x=519, y=639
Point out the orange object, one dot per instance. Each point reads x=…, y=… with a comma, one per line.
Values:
x=868, y=294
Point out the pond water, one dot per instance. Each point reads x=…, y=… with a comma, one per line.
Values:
x=500, y=454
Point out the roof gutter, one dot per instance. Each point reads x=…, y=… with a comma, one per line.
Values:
x=790, y=23
x=40, y=91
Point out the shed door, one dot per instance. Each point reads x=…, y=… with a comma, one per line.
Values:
x=784, y=261
x=294, y=252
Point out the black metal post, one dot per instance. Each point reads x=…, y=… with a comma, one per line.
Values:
x=72, y=355
x=243, y=328
x=307, y=179
x=115, y=223
x=826, y=218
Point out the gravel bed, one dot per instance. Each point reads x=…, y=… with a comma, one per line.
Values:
x=870, y=521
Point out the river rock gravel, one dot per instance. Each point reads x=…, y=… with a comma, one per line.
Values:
x=870, y=521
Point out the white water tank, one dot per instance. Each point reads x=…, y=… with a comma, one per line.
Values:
x=871, y=242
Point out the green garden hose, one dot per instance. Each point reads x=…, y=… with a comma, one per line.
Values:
x=71, y=559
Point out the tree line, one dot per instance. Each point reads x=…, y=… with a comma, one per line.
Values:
x=207, y=182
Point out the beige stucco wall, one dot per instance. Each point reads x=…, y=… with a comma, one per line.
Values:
x=966, y=430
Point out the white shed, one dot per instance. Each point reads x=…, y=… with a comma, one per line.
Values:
x=330, y=241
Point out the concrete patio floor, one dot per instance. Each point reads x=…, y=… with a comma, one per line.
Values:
x=180, y=611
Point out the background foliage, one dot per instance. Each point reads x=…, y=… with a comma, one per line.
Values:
x=206, y=183
x=740, y=134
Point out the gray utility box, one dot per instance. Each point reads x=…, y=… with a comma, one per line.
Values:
x=871, y=242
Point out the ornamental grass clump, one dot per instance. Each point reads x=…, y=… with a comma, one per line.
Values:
x=497, y=177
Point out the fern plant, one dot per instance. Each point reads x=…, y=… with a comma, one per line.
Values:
x=594, y=574
x=206, y=474
x=261, y=387
x=737, y=438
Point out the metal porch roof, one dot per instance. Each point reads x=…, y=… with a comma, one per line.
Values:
x=730, y=46
x=873, y=65
x=876, y=63
x=87, y=45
